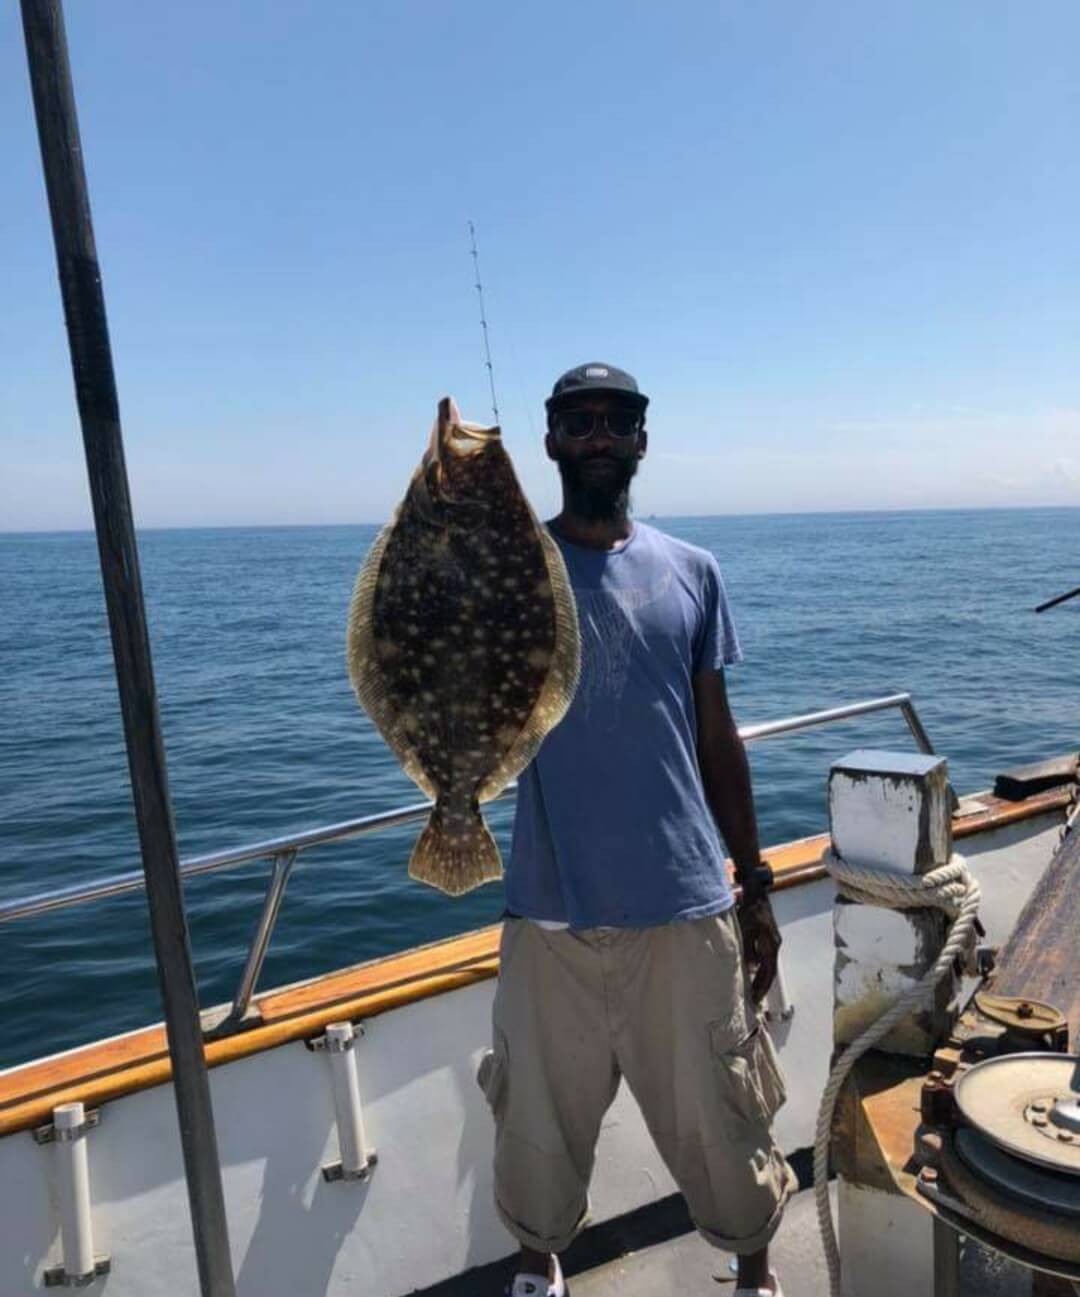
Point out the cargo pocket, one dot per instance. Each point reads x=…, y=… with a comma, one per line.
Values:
x=750, y=1072
x=491, y=1075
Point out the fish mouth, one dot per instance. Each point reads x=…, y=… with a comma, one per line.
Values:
x=464, y=439
x=453, y=436
x=452, y=439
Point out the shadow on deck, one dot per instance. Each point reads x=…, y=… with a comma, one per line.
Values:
x=655, y=1252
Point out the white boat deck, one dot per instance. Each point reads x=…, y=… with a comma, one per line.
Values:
x=682, y=1264
x=688, y=1266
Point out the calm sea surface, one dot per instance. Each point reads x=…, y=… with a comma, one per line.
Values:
x=263, y=735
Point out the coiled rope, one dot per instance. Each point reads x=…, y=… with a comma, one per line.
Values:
x=949, y=888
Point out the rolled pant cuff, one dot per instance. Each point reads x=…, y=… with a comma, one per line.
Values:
x=761, y=1238
x=540, y=1242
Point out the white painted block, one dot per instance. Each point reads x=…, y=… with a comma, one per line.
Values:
x=879, y=955
x=891, y=810
x=872, y=934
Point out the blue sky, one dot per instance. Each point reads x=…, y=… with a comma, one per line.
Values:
x=836, y=242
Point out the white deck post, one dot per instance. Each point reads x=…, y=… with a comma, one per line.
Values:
x=73, y=1190
x=357, y=1159
x=889, y=811
x=71, y=1196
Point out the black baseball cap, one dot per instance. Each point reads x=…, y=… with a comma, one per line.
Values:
x=595, y=378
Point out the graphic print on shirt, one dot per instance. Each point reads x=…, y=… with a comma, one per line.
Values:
x=607, y=619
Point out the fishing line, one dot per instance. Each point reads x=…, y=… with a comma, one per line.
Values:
x=483, y=322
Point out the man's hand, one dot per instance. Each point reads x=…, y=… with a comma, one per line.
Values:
x=761, y=941
x=725, y=775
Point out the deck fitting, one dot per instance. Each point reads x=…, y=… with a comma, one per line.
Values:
x=48, y=1134
x=57, y=1277
x=335, y=1171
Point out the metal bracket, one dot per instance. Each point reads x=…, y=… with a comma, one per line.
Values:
x=223, y=1021
x=774, y=1016
x=335, y=1171
x=57, y=1277
x=50, y=1135
x=327, y=1045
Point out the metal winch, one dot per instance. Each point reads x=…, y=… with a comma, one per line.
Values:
x=1000, y=1140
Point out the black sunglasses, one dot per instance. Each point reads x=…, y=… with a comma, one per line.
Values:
x=579, y=424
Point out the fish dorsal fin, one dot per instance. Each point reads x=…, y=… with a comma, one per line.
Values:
x=365, y=672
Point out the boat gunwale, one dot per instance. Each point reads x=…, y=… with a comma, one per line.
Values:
x=102, y=1071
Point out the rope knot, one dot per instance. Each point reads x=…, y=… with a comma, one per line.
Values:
x=942, y=888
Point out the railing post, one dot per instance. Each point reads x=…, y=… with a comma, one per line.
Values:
x=916, y=726
x=260, y=943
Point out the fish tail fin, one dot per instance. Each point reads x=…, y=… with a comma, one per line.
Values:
x=455, y=853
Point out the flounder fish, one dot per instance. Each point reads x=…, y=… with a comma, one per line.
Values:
x=462, y=642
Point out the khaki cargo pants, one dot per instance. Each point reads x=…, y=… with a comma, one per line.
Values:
x=667, y=1009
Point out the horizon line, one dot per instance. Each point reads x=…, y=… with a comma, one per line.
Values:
x=651, y=517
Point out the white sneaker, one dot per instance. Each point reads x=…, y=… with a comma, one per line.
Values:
x=538, y=1285
x=775, y=1291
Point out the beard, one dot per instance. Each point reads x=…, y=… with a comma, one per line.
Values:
x=599, y=497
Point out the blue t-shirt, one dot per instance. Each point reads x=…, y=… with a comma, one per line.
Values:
x=612, y=826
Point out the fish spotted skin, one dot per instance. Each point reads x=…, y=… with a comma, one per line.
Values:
x=463, y=642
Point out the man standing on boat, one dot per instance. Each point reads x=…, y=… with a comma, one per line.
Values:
x=623, y=949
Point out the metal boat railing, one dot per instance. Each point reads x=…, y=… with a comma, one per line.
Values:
x=283, y=851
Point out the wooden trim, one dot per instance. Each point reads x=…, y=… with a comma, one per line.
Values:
x=107, y=1070
x=999, y=812
x=111, y=1069
x=796, y=863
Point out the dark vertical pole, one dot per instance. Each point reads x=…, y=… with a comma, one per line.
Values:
x=95, y=388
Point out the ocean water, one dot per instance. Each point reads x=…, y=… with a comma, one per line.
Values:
x=263, y=736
